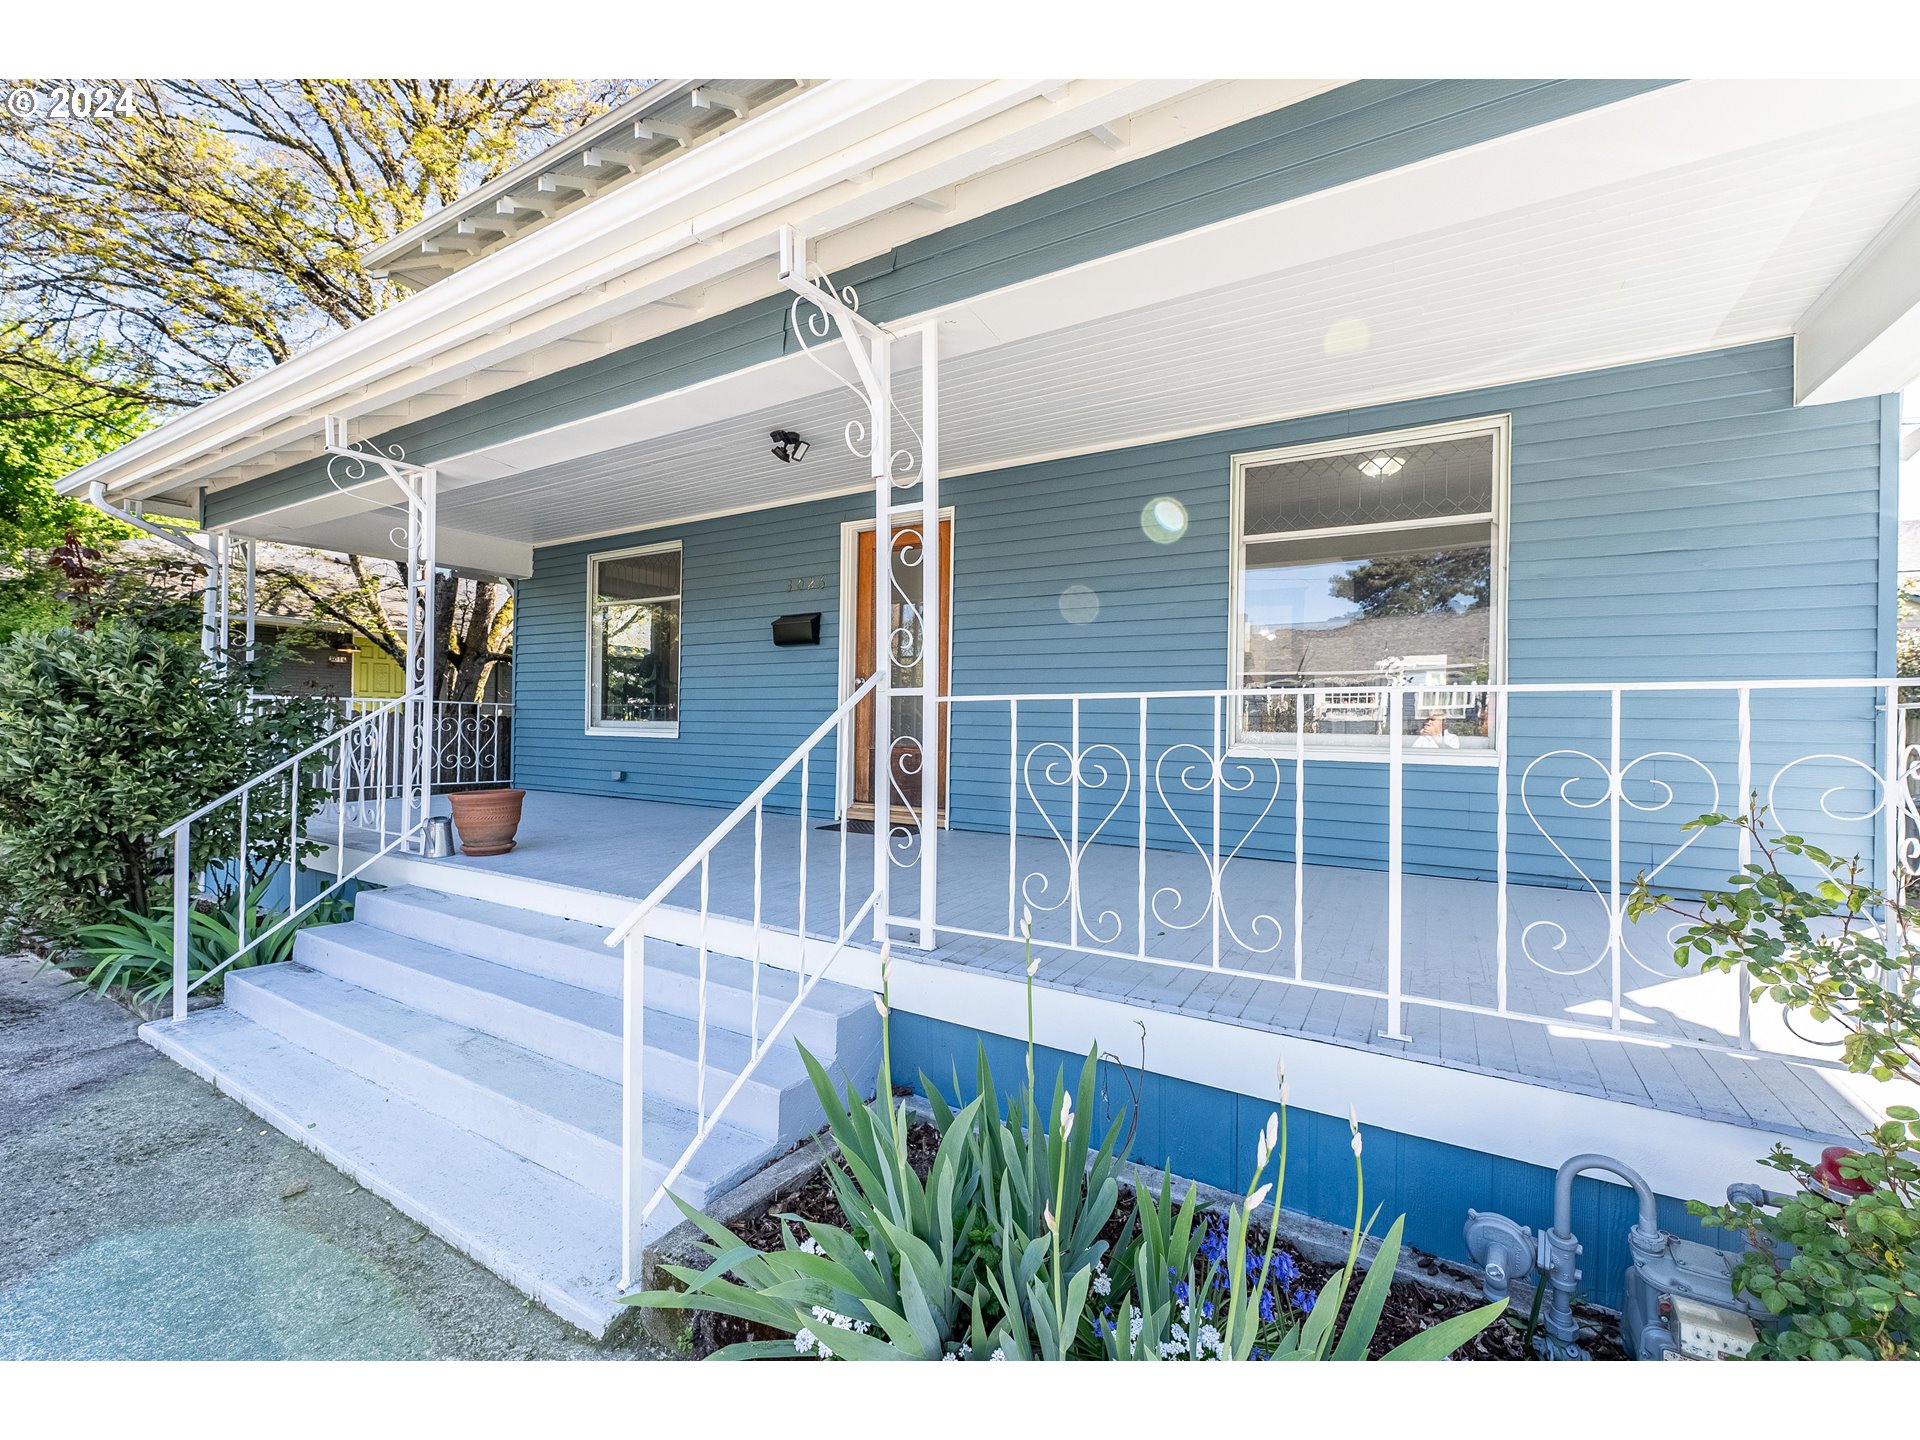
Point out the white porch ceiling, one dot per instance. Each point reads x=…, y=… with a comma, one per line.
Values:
x=1705, y=215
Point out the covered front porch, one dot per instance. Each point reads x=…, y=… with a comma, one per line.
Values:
x=1468, y=1003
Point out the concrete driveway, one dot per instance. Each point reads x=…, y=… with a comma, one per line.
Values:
x=145, y=1216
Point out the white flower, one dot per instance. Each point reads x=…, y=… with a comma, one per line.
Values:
x=1209, y=1339
x=1178, y=1331
x=825, y=1353
x=965, y=1349
x=1026, y=922
x=811, y=1246
x=1269, y=1137
x=998, y=1354
x=1102, y=1282
x=1258, y=1198
x=1134, y=1322
x=867, y=1253
x=839, y=1321
x=1066, y=1113
x=804, y=1341
x=1033, y=965
x=1168, y=1350
x=954, y=1358
x=881, y=1006
x=1046, y=1214
x=1353, y=1124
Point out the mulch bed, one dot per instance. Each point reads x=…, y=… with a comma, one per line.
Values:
x=1410, y=1308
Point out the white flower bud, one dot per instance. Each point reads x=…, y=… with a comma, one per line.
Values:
x=1259, y=1197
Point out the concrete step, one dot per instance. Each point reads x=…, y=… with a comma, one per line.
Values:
x=545, y=1235
x=572, y=952
x=557, y=1115
x=569, y=1024
x=581, y=1028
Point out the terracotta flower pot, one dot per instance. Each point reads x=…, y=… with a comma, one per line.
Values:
x=486, y=819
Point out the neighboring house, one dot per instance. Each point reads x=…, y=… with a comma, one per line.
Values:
x=298, y=596
x=1374, y=516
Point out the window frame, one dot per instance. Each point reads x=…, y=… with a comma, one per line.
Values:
x=1500, y=428
x=653, y=729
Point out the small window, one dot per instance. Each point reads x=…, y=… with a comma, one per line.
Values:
x=634, y=639
x=1368, y=592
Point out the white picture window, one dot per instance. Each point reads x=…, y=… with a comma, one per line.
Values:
x=633, y=640
x=1367, y=583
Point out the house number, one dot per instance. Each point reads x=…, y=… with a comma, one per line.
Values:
x=805, y=582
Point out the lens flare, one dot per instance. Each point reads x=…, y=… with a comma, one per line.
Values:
x=1079, y=605
x=1164, y=520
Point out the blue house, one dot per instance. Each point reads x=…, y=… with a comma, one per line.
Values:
x=1336, y=534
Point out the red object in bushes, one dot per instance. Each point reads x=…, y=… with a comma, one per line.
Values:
x=1827, y=1174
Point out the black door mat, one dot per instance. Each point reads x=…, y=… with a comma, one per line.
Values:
x=865, y=827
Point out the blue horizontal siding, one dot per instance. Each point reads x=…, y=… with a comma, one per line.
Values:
x=1774, y=574
x=1360, y=129
x=1209, y=1135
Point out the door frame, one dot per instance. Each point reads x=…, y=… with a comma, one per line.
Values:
x=850, y=533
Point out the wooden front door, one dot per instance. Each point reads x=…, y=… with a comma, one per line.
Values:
x=909, y=662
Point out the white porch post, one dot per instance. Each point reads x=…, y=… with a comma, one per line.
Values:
x=247, y=551
x=216, y=601
x=933, y=642
x=418, y=745
x=835, y=310
x=880, y=411
x=357, y=465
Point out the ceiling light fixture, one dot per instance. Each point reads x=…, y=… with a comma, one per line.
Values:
x=1382, y=466
x=788, y=447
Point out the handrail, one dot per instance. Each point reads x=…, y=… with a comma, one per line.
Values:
x=344, y=740
x=637, y=1202
x=739, y=812
x=332, y=737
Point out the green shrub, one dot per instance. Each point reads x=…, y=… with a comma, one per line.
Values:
x=112, y=735
x=1844, y=1279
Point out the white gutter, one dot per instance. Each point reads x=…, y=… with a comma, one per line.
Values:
x=195, y=545
x=823, y=137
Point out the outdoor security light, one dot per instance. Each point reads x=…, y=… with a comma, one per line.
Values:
x=788, y=447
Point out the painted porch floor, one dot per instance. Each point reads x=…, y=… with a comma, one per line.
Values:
x=613, y=847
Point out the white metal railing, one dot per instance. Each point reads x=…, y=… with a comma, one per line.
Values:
x=816, y=957
x=473, y=739
x=1135, y=824
x=260, y=826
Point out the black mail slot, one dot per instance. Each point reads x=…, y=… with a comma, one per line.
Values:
x=797, y=629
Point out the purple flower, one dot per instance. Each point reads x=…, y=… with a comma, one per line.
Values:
x=1303, y=1300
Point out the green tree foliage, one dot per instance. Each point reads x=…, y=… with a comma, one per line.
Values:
x=50, y=423
x=1417, y=583
x=219, y=228
x=112, y=735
